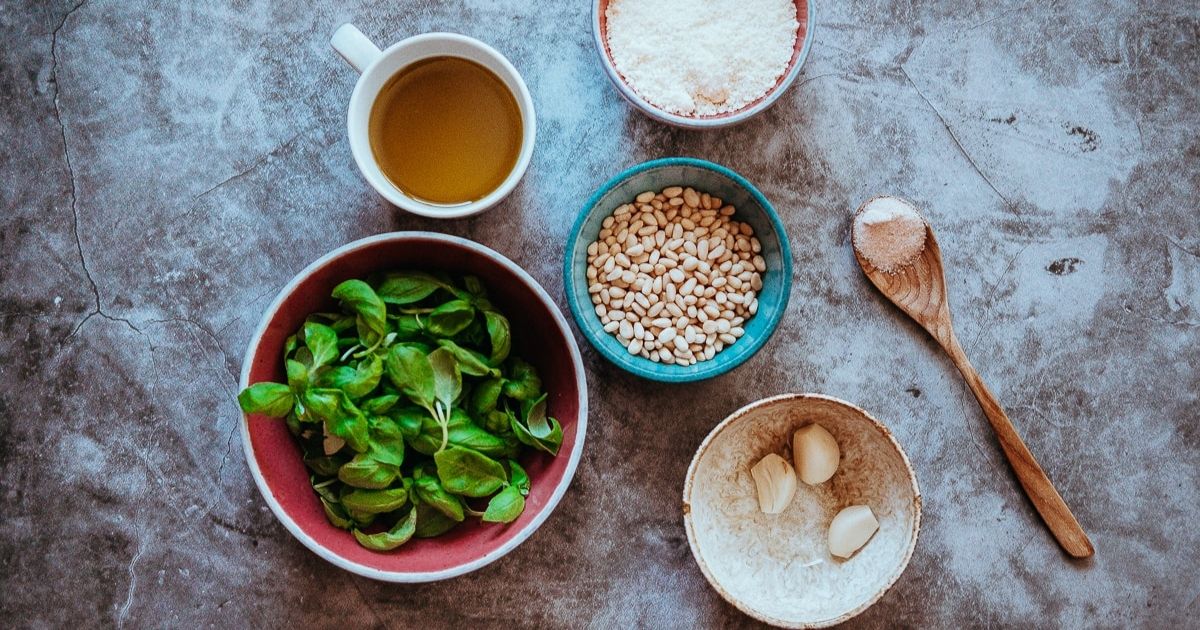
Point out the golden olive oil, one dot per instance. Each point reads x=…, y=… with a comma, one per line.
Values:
x=445, y=131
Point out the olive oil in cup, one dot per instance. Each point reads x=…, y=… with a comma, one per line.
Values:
x=440, y=124
x=445, y=130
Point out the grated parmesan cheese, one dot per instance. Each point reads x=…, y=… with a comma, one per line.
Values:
x=701, y=57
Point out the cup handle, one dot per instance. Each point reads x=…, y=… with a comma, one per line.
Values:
x=354, y=47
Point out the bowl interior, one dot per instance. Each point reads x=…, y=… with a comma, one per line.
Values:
x=552, y=350
x=778, y=567
x=799, y=52
x=751, y=207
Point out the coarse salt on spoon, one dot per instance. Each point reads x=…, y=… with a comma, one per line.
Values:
x=897, y=251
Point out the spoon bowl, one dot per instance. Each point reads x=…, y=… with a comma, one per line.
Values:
x=918, y=288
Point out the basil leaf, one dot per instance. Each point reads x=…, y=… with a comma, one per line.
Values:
x=268, y=399
x=410, y=371
x=375, y=501
x=407, y=287
x=450, y=318
x=505, y=507
x=447, y=379
x=342, y=323
x=496, y=421
x=326, y=489
x=549, y=443
x=424, y=434
x=366, y=377
x=297, y=375
x=409, y=420
x=552, y=442
x=484, y=397
x=359, y=297
x=470, y=362
x=535, y=417
x=469, y=435
x=408, y=327
x=379, y=405
x=431, y=522
x=474, y=286
x=361, y=519
x=303, y=357
x=336, y=515
x=519, y=478
x=430, y=492
x=523, y=384
x=325, y=465
x=366, y=472
x=289, y=346
x=469, y=473
x=386, y=541
x=500, y=336
x=335, y=377
x=340, y=415
x=387, y=442
x=322, y=342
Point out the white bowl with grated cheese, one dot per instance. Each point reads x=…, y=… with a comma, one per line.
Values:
x=702, y=64
x=777, y=567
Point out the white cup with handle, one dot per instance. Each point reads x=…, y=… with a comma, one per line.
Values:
x=377, y=66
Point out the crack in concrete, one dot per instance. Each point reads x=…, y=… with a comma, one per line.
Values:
x=1180, y=246
x=62, y=130
x=1008, y=204
x=208, y=333
x=123, y=614
x=819, y=76
x=990, y=301
x=262, y=159
x=1000, y=15
x=225, y=368
x=367, y=602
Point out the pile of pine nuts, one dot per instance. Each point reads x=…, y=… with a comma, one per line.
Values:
x=674, y=277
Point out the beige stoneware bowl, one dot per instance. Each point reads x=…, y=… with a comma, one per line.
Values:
x=777, y=567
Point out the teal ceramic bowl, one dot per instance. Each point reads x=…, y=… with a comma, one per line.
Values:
x=752, y=207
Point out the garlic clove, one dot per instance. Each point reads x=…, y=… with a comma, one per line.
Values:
x=775, y=481
x=816, y=453
x=851, y=529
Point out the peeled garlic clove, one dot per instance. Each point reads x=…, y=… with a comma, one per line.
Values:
x=851, y=529
x=816, y=454
x=776, y=483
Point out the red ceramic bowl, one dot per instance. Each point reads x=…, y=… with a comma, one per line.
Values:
x=804, y=40
x=540, y=336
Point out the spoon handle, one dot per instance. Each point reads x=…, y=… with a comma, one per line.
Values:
x=1037, y=485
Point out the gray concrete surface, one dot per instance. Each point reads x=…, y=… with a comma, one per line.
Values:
x=165, y=169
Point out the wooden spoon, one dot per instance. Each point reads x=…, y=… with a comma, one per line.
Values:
x=919, y=289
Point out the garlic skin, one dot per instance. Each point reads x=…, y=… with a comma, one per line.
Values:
x=851, y=529
x=816, y=454
x=776, y=483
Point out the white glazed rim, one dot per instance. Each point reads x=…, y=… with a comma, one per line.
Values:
x=689, y=526
x=690, y=122
x=532, y=526
x=360, y=145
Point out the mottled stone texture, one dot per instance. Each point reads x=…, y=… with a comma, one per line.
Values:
x=166, y=167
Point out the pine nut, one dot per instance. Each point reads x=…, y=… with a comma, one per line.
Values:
x=673, y=276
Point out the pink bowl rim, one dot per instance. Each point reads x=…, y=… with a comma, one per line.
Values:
x=559, y=490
